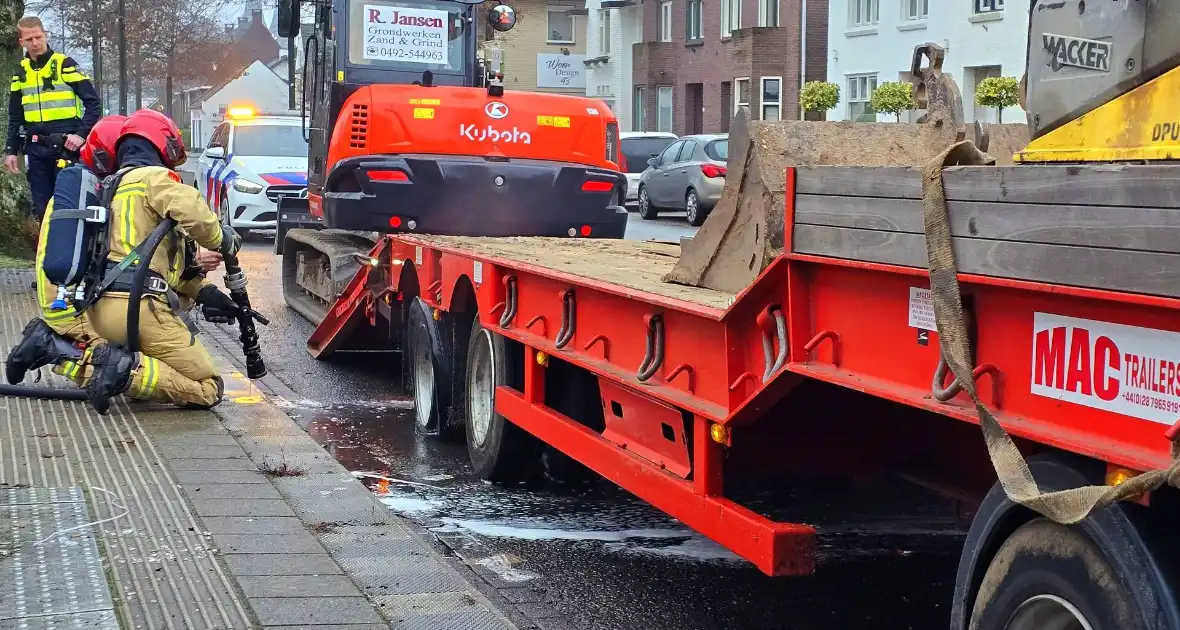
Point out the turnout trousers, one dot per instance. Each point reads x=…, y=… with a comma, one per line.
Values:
x=173, y=366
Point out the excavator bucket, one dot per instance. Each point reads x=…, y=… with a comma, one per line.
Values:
x=744, y=232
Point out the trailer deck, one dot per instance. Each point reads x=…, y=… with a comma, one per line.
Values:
x=635, y=265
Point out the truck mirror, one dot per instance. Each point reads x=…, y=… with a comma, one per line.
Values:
x=288, y=18
x=502, y=18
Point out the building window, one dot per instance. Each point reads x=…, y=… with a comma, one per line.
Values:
x=665, y=21
x=988, y=6
x=664, y=108
x=561, y=27
x=638, y=109
x=692, y=20
x=731, y=17
x=741, y=95
x=860, y=89
x=603, y=32
x=915, y=9
x=767, y=12
x=772, y=98
x=863, y=12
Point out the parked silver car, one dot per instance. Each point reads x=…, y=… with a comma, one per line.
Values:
x=689, y=175
x=635, y=149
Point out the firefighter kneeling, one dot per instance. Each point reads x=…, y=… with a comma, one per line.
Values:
x=172, y=365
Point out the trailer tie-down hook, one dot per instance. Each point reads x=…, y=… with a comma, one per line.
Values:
x=780, y=325
x=568, y=324
x=509, y=303
x=945, y=394
x=653, y=354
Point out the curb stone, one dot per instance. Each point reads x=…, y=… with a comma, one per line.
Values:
x=524, y=606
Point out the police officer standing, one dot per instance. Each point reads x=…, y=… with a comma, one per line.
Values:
x=57, y=105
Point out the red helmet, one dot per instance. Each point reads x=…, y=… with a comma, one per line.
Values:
x=159, y=130
x=98, y=154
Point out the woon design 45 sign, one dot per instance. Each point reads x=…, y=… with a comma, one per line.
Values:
x=563, y=72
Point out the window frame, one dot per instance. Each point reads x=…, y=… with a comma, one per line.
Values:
x=604, y=31
x=665, y=21
x=660, y=90
x=737, y=94
x=922, y=10
x=691, y=145
x=987, y=7
x=694, y=17
x=764, y=7
x=549, y=11
x=639, y=107
x=762, y=95
x=730, y=22
x=870, y=78
x=872, y=8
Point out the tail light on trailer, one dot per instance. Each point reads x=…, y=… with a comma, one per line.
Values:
x=612, y=142
x=712, y=170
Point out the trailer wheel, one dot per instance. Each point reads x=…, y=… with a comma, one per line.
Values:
x=1051, y=576
x=499, y=450
x=430, y=370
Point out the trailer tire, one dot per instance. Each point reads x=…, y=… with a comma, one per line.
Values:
x=430, y=370
x=500, y=451
x=1048, y=575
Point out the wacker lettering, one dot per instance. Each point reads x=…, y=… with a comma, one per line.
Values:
x=513, y=135
x=1090, y=54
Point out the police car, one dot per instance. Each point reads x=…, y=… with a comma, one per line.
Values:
x=252, y=160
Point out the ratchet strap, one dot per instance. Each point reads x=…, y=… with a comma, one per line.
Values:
x=1065, y=506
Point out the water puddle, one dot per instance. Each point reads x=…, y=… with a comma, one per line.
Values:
x=432, y=485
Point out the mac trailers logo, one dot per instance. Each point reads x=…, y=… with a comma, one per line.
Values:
x=1089, y=54
x=1124, y=369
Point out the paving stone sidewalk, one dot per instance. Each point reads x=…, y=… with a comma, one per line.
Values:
x=227, y=519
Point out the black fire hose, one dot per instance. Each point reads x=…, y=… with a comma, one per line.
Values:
x=235, y=281
x=44, y=393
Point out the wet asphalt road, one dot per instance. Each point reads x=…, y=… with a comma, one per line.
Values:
x=602, y=558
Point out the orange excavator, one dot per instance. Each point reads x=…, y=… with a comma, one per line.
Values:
x=410, y=132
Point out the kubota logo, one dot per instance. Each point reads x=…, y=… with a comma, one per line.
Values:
x=513, y=135
x=496, y=110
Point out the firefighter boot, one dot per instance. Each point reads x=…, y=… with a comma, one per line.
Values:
x=39, y=346
x=112, y=366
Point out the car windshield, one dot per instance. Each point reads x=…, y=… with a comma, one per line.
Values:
x=718, y=149
x=269, y=141
x=637, y=151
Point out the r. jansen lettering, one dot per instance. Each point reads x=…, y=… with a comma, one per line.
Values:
x=405, y=20
x=1090, y=54
x=514, y=135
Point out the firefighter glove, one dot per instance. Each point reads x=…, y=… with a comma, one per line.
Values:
x=231, y=241
x=216, y=306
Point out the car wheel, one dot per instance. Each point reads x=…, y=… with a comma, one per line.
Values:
x=646, y=209
x=692, y=208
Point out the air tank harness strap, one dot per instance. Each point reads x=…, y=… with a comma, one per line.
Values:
x=1065, y=506
x=154, y=284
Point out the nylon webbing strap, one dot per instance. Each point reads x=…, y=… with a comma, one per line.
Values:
x=1065, y=506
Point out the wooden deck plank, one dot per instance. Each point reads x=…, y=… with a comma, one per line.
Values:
x=1117, y=270
x=1143, y=229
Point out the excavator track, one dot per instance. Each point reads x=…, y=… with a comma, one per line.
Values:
x=317, y=265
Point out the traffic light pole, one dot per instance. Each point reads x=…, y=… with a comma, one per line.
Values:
x=121, y=18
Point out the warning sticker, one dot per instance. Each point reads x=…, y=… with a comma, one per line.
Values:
x=406, y=34
x=1128, y=370
x=922, y=309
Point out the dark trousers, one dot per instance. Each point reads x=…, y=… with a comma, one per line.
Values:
x=42, y=175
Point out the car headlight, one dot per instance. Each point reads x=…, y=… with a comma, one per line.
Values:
x=247, y=186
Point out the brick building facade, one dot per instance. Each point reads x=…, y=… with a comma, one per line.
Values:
x=709, y=75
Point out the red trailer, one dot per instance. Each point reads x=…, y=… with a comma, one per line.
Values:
x=1068, y=278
